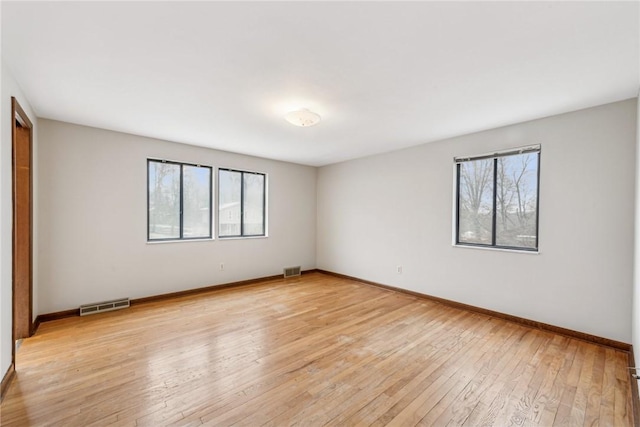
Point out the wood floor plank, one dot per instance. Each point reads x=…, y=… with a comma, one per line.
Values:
x=499, y=387
x=428, y=406
x=567, y=385
x=370, y=387
x=501, y=408
x=344, y=345
x=579, y=405
x=396, y=381
x=557, y=382
x=487, y=373
x=310, y=351
x=607, y=415
x=622, y=392
x=435, y=373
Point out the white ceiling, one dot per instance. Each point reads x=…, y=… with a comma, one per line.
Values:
x=383, y=75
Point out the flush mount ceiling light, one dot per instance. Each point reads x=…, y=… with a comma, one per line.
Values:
x=302, y=118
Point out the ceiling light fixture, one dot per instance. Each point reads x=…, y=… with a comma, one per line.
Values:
x=302, y=118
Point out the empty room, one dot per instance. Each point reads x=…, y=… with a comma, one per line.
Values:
x=319, y=213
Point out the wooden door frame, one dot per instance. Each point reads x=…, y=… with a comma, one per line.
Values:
x=20, y=118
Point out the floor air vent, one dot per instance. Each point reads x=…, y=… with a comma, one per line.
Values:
x=100, y=307
x=291, y=272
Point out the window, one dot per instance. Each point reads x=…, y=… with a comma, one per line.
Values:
x=178, y=201
x=241, y=203
x=497, y=199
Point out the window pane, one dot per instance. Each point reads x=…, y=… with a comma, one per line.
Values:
x=516, y=201
x=196, y=201
x=229, y=191
x=475, y=202
x=164, y=200
x=253, y=204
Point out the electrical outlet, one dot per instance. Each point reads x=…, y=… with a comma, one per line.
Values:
x=399, y=269
x=221, y=266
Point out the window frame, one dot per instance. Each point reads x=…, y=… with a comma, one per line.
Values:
x=264, y=204
x=534, y=149
x=181, y=203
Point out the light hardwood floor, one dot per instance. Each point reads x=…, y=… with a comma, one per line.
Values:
x=311, y=351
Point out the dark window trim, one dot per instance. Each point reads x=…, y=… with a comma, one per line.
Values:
x=181, y=223
x=264, y=204
x=503, y=153
x=459, y=160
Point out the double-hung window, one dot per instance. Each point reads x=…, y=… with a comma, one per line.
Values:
x=497, y=199
x=178, y=201
x=241, y=203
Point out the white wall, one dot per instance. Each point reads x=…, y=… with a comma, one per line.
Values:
x=10, y=88
x=93, y=219
x=395, y=209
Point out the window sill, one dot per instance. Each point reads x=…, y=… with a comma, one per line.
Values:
x=484, y=248
x=242, y=237
x=159, y=242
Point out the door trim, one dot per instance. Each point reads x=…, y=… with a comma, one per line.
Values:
x=20, y=118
